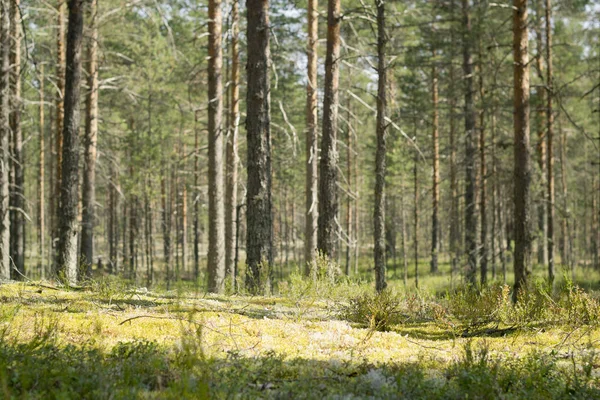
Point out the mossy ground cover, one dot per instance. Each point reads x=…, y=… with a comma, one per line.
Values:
x=316, y=339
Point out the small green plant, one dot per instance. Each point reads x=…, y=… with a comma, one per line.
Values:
x=376, y=311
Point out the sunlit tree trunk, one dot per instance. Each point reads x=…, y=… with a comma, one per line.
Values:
x=542, y=243
x=4, y=139
x=470, y=153
x=259, y=226
x=232, y=145
x=90, y=140
x=60, y=113
x=549, y=142
x=522, y=157
x=17, y=197
x=380, y=164
x=311, y=209
x=435, y=222
x=216, y=212
x=67, y=245
x=41, y=174
x=328, y=174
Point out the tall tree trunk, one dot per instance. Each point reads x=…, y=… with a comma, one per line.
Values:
x=435, y=222
x=454, y=216
x=483, y=253
x=470, y=186
x=349, y=157
x=328, y=193
x=310, y=232
x=495, y=195
x=184, y=227
x=112, y=220
x=416, y=219
x=17, y=197
x=232, y=145
x=380, y=165
x=67, y=215
x=549, y=142
x=90, y=140
x=60, y=115
x=196, y=200
x=403, y=229
x=565, y=247
x=542, y=249
x=356, y=208
x=4, y=139
x=41, y=183
x=216, y=212
x=166, y=227
x=522, y=167
x=259, y=225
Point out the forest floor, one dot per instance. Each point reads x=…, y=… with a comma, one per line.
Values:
x=316, y=340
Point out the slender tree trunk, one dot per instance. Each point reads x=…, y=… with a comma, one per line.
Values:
x=90, y=140
x=17, y=197
x=41, y=183
x=328, y=193
x=435, y=222
x=403, y=229
x=133, y=233
x=542, y=249
x=522, y=168
x=166, y=227
x=549, y=142
x=112, y=221
x=565, y=255
x=483, y=253
x=349, y=157
x=184, y=227
x=310, y=232
x=416, y=220
x=196, y=200
x=356, y=209
x=216, y=212
x=495, y=195
x=470, y=187
x=5, y=269
x=232, y=145
x=60, y=114
x=259, y=225
x=454, y=216
x=68, y=213
x=380, y=165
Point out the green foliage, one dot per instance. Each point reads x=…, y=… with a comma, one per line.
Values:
x=376, y=311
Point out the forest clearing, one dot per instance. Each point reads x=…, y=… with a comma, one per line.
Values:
x=299, y=199
x=106, y=341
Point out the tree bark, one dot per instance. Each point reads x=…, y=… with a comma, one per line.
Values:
x=483, y=249
x=259, y=225
x=166, y=227
x=470, y=186
x=565, y=247
x=549, y=142
x=216, y=212
x=542, y=247
x=349, y=157
x=67, y=215
x=454, y=216
x=60, y=114
x=41, y=183
x=380, y=161
x=522, y=157
x=416, y=219
x=232, y=147
x=328, y=194
x=435, y=222
x=310, y=232
x=90, y=140
x=196, y=200
x=17, y=196
x=5, y=269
